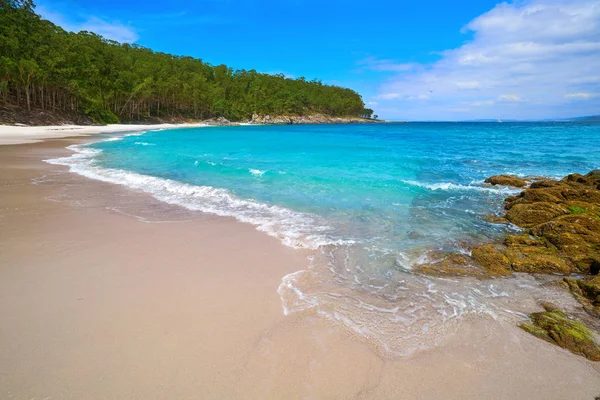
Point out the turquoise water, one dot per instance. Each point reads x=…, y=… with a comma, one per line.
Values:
x=396, y=185
x=372, y=199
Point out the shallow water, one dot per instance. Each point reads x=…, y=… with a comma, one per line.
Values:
x=372, y=200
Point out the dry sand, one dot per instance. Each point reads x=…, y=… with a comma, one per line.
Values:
x=96, y=304
x=32, y=134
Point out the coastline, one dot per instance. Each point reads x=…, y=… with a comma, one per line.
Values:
x=20, y=134
x=190, y=307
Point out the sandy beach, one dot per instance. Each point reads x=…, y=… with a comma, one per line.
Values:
x=33, y=134
x=99, y=303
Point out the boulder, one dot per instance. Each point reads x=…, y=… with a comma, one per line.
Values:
x=571, y=229
x=590, y=288
x=555, y=327
x=530, y=215
x=506, y=180
x=492, y=259
x=451, y=265
x=537, y=260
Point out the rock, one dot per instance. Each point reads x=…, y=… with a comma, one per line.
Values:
x=562, y=218
x=524, y=240
x=550, y=307
x=554, y=327
x=491, y=258
x=592, y=178
x=530, y=215
x=307, y=119
x=451, y=265
x=219, y=121
x=493, y=219
x=544, y=183
x=590, y=288
x=506, y=180
x=555, y=192
x=576, y=236
x=537, y=260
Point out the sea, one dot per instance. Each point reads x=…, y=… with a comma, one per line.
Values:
x=370, y=202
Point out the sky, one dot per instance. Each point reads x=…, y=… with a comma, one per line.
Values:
x=410, y=60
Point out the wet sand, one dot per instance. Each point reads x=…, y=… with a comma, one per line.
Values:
x=97, y=304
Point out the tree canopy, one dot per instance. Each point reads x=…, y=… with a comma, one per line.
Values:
x=43, y=66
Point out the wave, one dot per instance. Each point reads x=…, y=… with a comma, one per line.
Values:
x=144, y=144
x=292, y=228
x=449, y=186
x=256, y=172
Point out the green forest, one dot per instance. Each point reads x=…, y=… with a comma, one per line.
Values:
x=42, y=66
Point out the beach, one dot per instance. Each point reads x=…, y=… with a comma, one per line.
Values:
x=31, y=134
x=100, y=301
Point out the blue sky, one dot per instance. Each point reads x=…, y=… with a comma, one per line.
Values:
x=410, y=60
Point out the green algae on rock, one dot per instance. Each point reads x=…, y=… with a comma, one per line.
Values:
x=555, y=327
x=492, y=259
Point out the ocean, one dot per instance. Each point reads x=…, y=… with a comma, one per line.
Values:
x=370, y=200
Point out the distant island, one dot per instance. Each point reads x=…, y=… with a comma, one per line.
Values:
x=49, y=75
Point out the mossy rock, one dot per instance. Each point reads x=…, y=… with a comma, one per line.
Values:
x=492, y=259
x=592, y=178
x=590, y=288
x=585, y=291
x=529, y=215
x=580, y=229
x=525, y=240
x=554, y=327
x=494, y=219
x=451, y=265
x=506, y=180
x=537, y=260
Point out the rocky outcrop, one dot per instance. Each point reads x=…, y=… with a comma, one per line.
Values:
x=562, y=232
x=555, y=327
x=561, y=223
x=563, y=217
x=561, y=235
x=506, y=180
x=307, y=119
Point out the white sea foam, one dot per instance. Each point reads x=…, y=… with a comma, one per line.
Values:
x=256, y=172
x=294, y=229
x=145, y=144
x=449, y=186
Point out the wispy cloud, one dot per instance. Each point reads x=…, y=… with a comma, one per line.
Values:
x=114, y=30
x=512, y=98
x=581, y=96
x=375, y=64
x=539, y=54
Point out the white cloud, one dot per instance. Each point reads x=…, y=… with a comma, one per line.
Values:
x=468, y=85
x=483, y=103
x=375, y=64
x=387, y=96
x=114, y=30
x=538, y=53
x=580, y=96
x=111, y=30
x=510, y=98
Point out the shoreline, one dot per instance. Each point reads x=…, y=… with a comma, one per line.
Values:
x=21, y=134
x=190, y=308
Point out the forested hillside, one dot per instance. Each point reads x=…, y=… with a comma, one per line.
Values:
x=42, y=66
